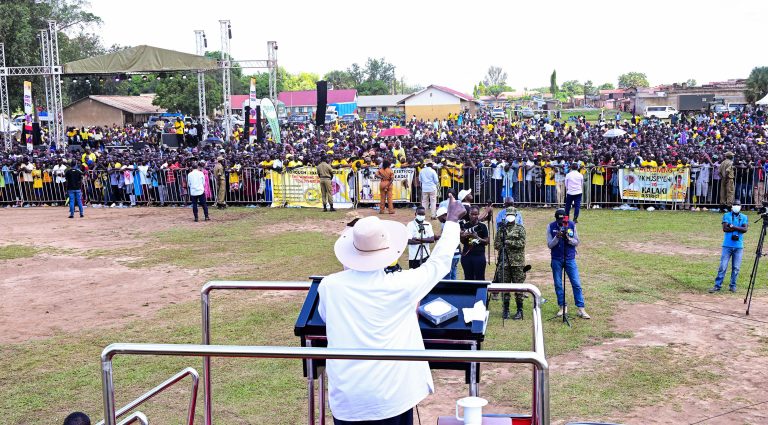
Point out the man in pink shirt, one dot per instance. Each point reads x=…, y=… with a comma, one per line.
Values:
x=574, y=185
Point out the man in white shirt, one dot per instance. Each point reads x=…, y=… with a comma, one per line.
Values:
x=429, y=182
x=364, y=307
x=196, y=184
x=574, y=185
x=420, y=235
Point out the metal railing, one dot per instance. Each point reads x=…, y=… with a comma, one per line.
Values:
x=135, y=417
x=157, y=390
x=537, y=346
x=540, y=414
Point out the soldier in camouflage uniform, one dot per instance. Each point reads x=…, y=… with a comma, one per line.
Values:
x=512, y=270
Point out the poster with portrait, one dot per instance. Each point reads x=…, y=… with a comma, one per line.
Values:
x=654, y=184
x=368, y=190
x=300, y=187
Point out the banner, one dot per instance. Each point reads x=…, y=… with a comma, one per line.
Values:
x=28, y=111
x=253, y=102
x=654, y=184
x=300, y=187
x=268, y=109
x=401, y=186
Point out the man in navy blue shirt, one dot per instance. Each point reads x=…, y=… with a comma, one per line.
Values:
x=562, y=242
x=735, y=224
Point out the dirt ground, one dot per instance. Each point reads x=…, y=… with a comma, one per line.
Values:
x=55, y=291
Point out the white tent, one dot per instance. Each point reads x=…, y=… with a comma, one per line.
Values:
x=12, y=128
x=763, y=101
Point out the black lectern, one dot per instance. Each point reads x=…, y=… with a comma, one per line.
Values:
x=454, y=334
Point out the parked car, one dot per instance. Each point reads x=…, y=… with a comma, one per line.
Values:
x=735, y=107
x=371, y=116
x=331, y=117
x=298, y=119
x=349, y=118
x=719, y=109
x=498, y=113
x=661, y=112
x=527, y=113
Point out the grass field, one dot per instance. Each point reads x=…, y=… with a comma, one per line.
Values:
x=627, y=258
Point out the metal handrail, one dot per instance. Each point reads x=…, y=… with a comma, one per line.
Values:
x=538, y=334
x=160, y=388
x=135, y=417
x=540, y=414
x=206, y=311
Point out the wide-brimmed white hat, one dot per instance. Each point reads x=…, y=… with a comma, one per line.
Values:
x=371, y=244
x=463, y=194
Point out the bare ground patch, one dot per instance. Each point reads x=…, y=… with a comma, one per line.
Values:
x=664, y=248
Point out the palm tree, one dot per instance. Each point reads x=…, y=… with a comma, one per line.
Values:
x=757, y=84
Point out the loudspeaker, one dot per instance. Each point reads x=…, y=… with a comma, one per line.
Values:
x=36, y=136
x=259, y=126
x=322, y=102
x=247, y=125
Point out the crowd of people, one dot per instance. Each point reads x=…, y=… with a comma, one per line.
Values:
x=526, y=158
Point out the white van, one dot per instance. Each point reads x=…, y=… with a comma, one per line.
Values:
x=661, y=112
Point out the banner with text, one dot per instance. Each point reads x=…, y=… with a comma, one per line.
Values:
x=300, y=187
x=368, y=191
x=654, y=184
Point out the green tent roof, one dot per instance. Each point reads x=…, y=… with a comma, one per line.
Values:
x=140, y=59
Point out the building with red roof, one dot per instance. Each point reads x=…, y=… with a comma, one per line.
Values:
x=305, y=101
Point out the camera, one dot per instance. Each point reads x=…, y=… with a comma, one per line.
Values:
x=763, y=211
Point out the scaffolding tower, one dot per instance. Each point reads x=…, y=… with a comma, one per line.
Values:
x=226, y=83
x=50, y=70
x=201, y=43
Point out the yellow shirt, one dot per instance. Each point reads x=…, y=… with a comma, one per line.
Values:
x=398, y=152
x=653, y=164
x=179, y=126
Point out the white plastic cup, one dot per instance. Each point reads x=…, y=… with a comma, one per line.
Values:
x=473, y=410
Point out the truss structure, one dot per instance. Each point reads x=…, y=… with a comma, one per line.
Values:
x=226, y=83
x=50, y=70
x=200, y=44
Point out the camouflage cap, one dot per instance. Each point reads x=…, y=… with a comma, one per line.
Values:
x=511, y=211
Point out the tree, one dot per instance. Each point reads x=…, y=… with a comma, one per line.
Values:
x=301, y=81
x=690, y=82
x=588, y=89
x=572, y=88
x=633, y=79
x=495, y=77
x=757, y=84
x=20, y=22
x=480, y=90
x=553, y=83
x=339, y=79
x=606, y=86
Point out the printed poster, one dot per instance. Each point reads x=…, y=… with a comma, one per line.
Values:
x=654, y=184
x=369, y=185
x=301, y=187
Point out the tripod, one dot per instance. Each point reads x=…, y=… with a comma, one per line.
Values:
x=421, y=251
x=563, y=231
x=758, y=254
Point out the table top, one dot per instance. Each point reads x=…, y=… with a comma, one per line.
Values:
x=451, y=420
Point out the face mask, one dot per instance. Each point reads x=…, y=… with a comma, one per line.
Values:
x=420, y=217
x=736, y=208
x=511, y=218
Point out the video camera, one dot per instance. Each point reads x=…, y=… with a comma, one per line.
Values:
x=763, y=211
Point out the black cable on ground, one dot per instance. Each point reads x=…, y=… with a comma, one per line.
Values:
x=728, y=412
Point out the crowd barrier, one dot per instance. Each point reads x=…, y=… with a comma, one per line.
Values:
x=604, y=187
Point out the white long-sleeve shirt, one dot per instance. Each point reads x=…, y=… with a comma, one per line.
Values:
x=574, y=183
x=377, y=310
x=196, y=182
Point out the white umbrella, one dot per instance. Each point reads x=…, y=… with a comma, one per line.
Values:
x=614, y=132
x=548, y=127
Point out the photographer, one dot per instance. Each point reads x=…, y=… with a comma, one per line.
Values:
x=420, y=235
x=735, y=224
x=510, y=266
x=562, y=240
x=474, y=236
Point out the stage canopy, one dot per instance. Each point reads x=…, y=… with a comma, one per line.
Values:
x=763, y=101
x=141, y=59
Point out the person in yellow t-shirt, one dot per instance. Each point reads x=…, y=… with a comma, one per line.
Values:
x=550, y=187
x=178, y=126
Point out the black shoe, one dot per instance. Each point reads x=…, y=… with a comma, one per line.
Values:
x=576, y=220
x=325, y=209
x=505, y=315
x=81, y=216
x=333, y=209
x=713, y=290
x=196, y=220
x=518, y=315
x=71, y=216
x=207, y=219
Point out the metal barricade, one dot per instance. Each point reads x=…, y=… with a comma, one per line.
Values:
x=155, y=391
x=135, y=417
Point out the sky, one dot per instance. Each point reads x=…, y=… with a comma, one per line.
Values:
x=453, y=43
